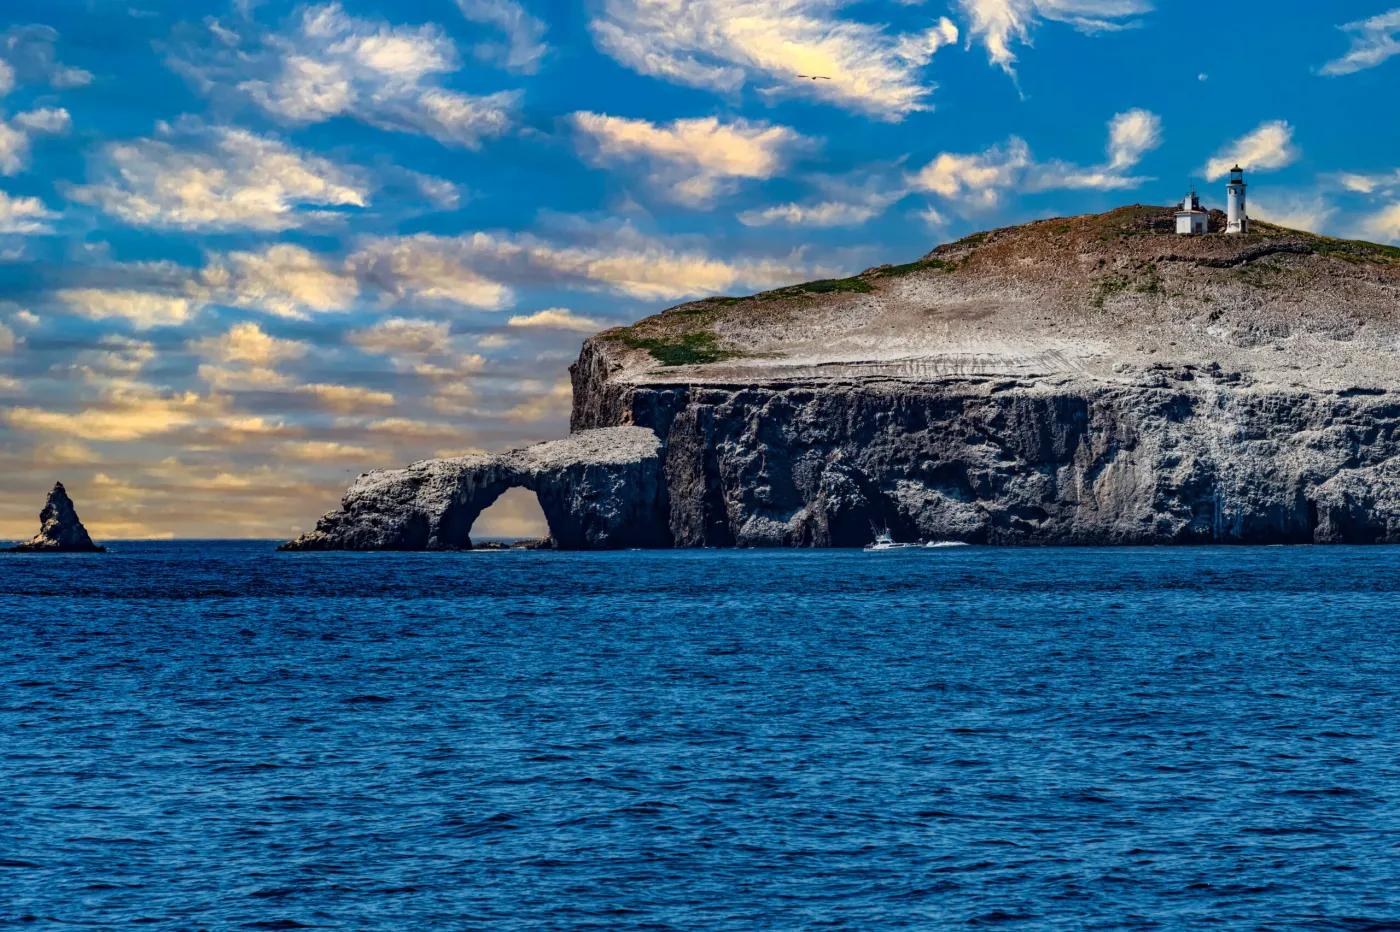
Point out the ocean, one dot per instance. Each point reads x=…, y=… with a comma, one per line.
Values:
x=212, y=735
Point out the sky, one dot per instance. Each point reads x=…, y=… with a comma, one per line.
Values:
x=250, y=249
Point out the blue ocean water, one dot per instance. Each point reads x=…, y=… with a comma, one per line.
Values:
x=217, y=736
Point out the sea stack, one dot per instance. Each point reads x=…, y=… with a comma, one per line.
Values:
x=60, y=531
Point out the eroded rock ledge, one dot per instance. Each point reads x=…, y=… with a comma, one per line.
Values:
x=599, y=490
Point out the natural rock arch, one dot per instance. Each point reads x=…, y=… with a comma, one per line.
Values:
x=598, y=489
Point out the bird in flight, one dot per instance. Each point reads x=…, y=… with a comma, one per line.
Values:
x=815, y=77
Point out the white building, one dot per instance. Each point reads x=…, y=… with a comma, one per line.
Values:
x=1191, y=220
x=1237, y=221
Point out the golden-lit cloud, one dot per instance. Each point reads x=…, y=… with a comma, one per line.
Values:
x=322, y=451
x=541, y=401
x=690, y=160
x=127, y=412
x=347, y=398
x=143, y=309
x=726, y=44
x=556, y=318
x=217, y=178
x=403, y=336
x=1268, y=146
x=246, y=357
x=283, y=279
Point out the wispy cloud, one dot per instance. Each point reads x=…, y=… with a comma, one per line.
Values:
x=30, y=58
x=1268, y=146
x=524, y=34
x=725, y=45
x=999, y=24
x=1384, y=224
x=17, y=135
x=1373, y=41
x=690, y=160
x=842, y=200
x=331, y=64
x=24, y=215
x=217, y=178
x=979, y=180
x=481, y=269
x=1311, y=212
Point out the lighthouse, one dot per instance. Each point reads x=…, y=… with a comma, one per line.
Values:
x=1237, y=221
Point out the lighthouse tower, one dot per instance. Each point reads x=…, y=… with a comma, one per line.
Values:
x=1237, y=220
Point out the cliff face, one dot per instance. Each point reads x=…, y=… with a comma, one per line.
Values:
x=1072, y=381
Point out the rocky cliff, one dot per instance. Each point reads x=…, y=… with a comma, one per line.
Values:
x=599, y=490
x=1087, y=380
x=60, y=531
x=1072, y=381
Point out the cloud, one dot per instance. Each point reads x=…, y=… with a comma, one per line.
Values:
x=541, y=402
x=1373, y=41
x=246, y=357
x=24, y=215
x=283, y=280
x=7, y=339
x=724, y=45
x=330, y=64
x=524, y=45
x=691, y=159
x=7, y=78
x=28, y=53
x=347, y=398
x=115, y=358
x=977, y=179
x=125, y=412
x=997, y=24
x=1268, y=146
x=1131, y=135
x=404, y=337
x=17, y=135
x=323, y=451
x=144, y=309
x=557, y=318
x=434, y=269
x=219, y=178
x=621, y=259
x=1369, y=184
x=1297, y=212
x=1384, y=225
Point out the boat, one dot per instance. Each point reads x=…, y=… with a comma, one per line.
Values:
x=883, y=541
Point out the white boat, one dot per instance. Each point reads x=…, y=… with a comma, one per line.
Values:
x=883, y=541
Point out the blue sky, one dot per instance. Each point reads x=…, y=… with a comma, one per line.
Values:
x=248, y=249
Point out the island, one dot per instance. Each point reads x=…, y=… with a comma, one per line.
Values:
x=1097, y=379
